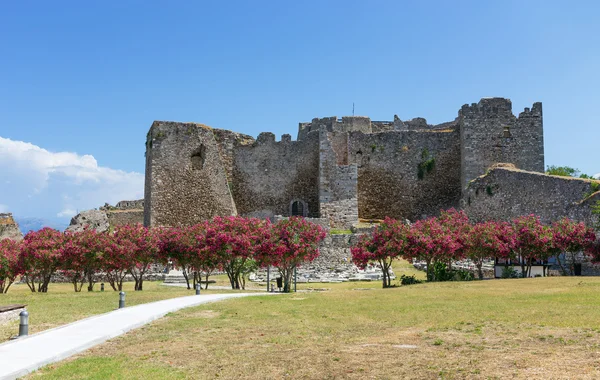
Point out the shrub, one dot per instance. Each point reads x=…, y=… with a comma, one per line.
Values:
x=409, y=280
x=510, y=272
x=463, y=275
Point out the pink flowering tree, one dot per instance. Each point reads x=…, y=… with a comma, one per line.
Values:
x=387, y=243
x=116, y=261
x=287, y=244
x=178, y=245
x=140, y=246
x=593, y=251
x=434, y=241
x=573, y=238
x=489, y=240
x=204, y=260
x=82, y=257
x=232, y=241
x=41, y=254
x=9, y=263
x=534, y=241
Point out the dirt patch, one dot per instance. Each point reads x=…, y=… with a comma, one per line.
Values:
x=204, y=314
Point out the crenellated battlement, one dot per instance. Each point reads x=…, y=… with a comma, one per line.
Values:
x=535, y=111
x=335, y=124
x=487, y=107
x=338, y=167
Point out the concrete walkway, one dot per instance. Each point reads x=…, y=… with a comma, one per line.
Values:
x=24, y=355
x=216, y=287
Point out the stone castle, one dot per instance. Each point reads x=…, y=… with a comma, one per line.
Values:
x=344, y=173
x=344, y=169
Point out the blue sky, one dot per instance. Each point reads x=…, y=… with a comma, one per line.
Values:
x=81, y=82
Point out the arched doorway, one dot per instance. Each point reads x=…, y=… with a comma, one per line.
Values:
x=298, y=208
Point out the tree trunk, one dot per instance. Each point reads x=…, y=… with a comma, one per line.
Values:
x=91, y=282
x=111, y=282
x=428, y=273
x=529, y=263
x=30, y=283
x=186, y=276
x=561, y=265
x=480, y=269
x=572, y=265
x=386, y=274
x=231, y=275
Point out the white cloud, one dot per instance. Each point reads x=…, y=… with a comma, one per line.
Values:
x=597, y=176
x=67, y=212
x=44, y=183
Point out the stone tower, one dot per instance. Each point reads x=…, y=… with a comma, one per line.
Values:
x=186, y=181
x=490, y=134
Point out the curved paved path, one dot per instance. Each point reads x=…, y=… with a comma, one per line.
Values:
x=24, y=355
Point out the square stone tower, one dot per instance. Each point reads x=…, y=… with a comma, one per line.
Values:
x=186, y=181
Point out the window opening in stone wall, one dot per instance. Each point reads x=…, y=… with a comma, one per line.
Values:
x=298, y=208
x=198, y=158
x=506, y=132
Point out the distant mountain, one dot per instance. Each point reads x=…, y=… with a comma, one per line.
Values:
x=27, y=224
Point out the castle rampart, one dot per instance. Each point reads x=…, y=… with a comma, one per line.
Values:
x=406, y=174
x=339, y=169
x=270, y=176
x=505, y=193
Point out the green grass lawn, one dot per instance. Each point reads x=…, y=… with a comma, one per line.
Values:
x=62, y=305
x=523, y=328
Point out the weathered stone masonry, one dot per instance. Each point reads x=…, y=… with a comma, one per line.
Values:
x=505, y=193
x=9, y=229
x=487, y=161
x=338, y=169
x=186, y=180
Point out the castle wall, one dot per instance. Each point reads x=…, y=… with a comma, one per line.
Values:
x=137, y=204
x=505, y=193
x=125, y=217
x=388, y=173
x=490, y=133
x=339, y=169
x=185, y=178
x=227, y=141
x=338, y=180
x=9, y=229
x=268, y=175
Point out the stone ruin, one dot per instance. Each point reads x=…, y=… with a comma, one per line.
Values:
x=340, y=171
x=343, y=170
x=9, y=229
x=108, y=217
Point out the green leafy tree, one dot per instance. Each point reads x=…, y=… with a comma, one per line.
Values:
x=565, y=171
